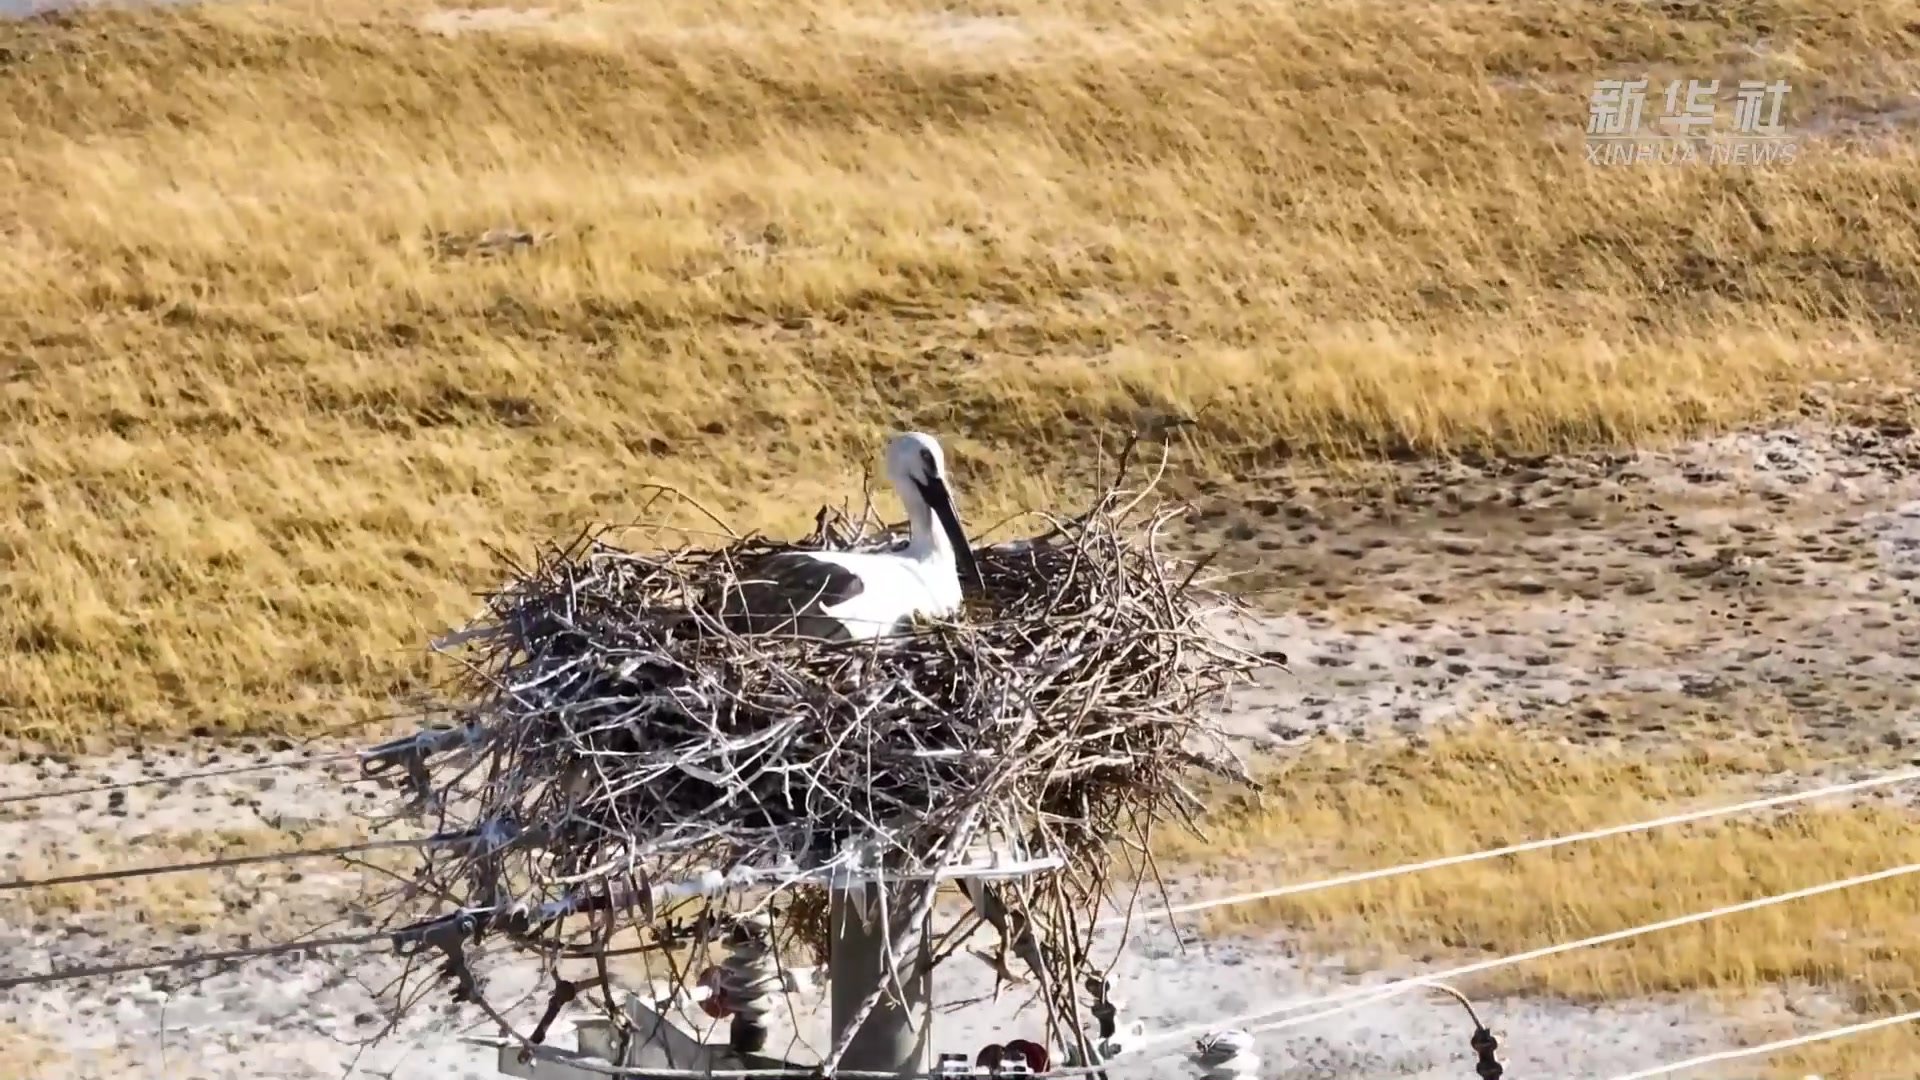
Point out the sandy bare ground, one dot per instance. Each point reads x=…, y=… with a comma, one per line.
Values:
x=1614, y=595
x=1778, y=571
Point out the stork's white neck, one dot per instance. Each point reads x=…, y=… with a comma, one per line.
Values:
x=926, y=540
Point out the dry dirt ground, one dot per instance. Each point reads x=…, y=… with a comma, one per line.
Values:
x=1606, y=598
x=1756, y=571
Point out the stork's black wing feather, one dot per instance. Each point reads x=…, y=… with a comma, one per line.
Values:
x=788, y=592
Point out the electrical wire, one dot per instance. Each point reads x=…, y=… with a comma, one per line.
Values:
x=179, y=778
x=94, y=971
x=1358, y=997
x=230, y=861
x=1774, y=1047
x=1542, y=844
x=1330, y=1006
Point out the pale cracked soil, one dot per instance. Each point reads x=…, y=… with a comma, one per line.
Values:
x=1774, y=573
x=1616, y=595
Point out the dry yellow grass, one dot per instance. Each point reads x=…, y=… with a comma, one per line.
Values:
x=1336, y=809
x=261, y=425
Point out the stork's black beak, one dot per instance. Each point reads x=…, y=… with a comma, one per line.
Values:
x=940, y=501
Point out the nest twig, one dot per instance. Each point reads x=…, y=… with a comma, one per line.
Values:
x=635, y=751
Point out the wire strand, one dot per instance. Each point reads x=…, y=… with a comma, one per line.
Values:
x=94, y=971
x=1340, y=1003
x=222, y=863
x=178, y=778
x=1542, y=844
x=1776, y=1046
x=1359, y=997
x=1336, y=1004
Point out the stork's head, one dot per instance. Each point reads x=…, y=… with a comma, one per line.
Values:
x=918, y=471
x=915, y=460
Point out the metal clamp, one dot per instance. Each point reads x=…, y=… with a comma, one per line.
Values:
x=411, y=752
x=447, y=935
x=1225, y=1055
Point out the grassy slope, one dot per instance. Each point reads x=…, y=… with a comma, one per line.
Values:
x=259, y=433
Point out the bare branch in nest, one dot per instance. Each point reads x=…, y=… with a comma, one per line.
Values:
x=638, y=753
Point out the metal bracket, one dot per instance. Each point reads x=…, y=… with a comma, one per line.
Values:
x=447, y=935
x=411, y=752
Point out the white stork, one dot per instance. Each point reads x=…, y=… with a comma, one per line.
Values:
x=855, y=596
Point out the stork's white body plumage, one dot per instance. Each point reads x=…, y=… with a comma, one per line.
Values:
x=862, y=595
x=894, y=587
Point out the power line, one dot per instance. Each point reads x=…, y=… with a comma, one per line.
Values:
x=236, y=860
x=1348, y=1000
x=178, y=778
x=1293, y=889
x=1773, y=1047
x=446, y=934
x=408, y=754
x=1336, y=1004
x=1170, y=911
x=1543, y=844
x=1165, y=912
x=72, y=973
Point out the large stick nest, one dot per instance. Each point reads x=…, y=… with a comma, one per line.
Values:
x=628, y=740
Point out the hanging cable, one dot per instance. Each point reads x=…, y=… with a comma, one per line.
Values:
x=1773, y=1047
x=1542, y=844
x=490, y=835
x=1358, y=997
x=94, y=971
x=180, y=778
x=407, y=754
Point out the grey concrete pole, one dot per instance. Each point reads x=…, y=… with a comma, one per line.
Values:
x=893, y=1037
